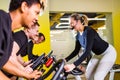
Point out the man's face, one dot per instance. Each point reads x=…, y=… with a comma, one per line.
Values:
x=33, y=32
x=30, y=15
x=39, y=40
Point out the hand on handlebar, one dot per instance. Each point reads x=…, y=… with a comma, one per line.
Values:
x=69, y=67
x=34, y=75
x=28, y=68
x=82, y=68
x=27, y=63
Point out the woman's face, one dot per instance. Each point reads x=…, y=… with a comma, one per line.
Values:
x=76, y=24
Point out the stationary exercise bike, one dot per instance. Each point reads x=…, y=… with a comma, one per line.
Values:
x=37, y=63
x=57, y=68
x=58, y=71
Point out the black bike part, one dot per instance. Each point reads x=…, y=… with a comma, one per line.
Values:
x=59, y=65
x=38, y=61
x=76, y=71
x=50, y=53
x=42, y=70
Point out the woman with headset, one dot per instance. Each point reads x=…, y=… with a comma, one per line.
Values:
x=88, y=38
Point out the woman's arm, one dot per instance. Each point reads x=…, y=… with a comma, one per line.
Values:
x=75, y=52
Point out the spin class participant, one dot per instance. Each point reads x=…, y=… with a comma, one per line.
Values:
x=21, y=13
x=105, y=54
x=24, y=39
x=21, y=40
x=29, y=50
x=30, y=37
x=26, y=49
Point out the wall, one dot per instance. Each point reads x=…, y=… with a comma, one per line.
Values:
x=81, y=5
x=45, y=29
x=4, y=4
x=116, y=28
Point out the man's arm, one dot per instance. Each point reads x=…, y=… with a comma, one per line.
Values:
x=22, y=62
x=19, y=58
x=10, y=68
x=13, y=58
x=3, y=77
x=14, y=67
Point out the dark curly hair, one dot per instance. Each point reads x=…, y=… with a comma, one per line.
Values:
x=15, y=4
